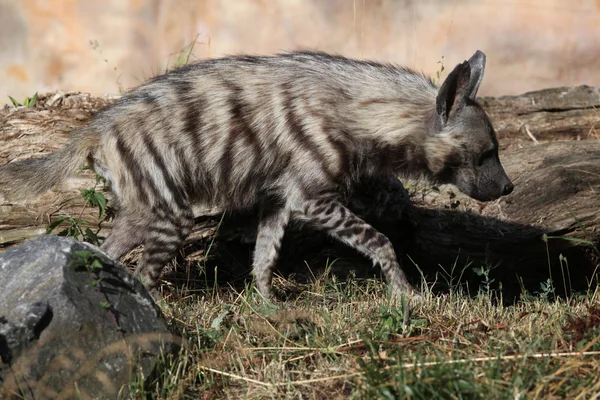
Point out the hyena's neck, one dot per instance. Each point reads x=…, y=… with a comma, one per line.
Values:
x=397, y=129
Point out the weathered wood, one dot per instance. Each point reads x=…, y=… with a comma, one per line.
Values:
x=29, y=132
x=546, y=115
x=556, y=193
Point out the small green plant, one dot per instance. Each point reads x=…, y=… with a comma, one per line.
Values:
x=75, y=227
x=453, y=277
x=438, y=73
x=216, y=331
x=95, y=199
x=391, y=321
x=28, y=102
x=547, y=290
x=87, y=259
x=183, y=57
x=105, y=304
x=484, y=271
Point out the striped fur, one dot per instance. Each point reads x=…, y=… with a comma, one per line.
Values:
x=289, y=133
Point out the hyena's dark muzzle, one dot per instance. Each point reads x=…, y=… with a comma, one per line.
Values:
x=485, y=182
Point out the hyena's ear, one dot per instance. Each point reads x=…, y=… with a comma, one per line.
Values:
x=453, y=93
x=477, y=64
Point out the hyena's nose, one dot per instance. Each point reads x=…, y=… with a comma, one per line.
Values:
x=508, y=188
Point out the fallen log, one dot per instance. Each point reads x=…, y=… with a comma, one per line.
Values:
x=555, y=197
x=545, y=115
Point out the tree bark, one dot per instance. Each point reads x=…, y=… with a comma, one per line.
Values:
x=555, y=168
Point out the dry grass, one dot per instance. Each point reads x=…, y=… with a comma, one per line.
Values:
x=351, y=340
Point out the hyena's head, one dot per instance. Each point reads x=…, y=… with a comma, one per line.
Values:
x=462, y=148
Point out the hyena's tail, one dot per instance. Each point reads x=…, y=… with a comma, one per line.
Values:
x=28, y=179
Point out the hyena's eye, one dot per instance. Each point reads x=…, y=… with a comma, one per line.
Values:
x=485, y=156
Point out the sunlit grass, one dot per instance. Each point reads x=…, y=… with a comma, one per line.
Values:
x=351, y=340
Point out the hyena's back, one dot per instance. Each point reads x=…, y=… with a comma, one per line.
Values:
x=229, y=131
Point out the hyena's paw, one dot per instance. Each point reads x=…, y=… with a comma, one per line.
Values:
x=151, y=286
x=407, y=290
x=150, y=282
x=264, y=289
x=157, y=296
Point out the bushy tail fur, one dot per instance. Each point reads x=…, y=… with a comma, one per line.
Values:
x=28, y=179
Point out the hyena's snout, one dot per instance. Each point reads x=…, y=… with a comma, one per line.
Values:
x=493, y=185
x=486, y=183
x=506, y=186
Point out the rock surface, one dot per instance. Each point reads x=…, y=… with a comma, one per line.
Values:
x=74, y=324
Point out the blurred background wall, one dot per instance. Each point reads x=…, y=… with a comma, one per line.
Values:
x=107, y=46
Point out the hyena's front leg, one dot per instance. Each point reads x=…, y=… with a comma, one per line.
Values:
x=339, y=222
x=271, y=228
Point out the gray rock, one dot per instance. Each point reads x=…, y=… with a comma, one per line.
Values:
x=74, y=324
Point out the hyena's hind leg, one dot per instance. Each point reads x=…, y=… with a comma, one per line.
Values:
x=340, y=223
x=127, y=233
x=165, y=234
x=271, y=228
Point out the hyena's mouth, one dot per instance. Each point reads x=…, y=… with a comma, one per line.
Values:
x=480, y=197
x=503, y=190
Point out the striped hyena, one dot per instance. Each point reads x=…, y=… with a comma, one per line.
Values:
x=286, y=133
